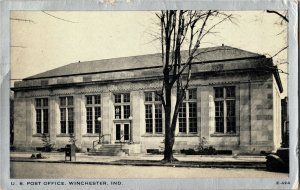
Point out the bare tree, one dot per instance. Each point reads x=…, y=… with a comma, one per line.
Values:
x=181, y=29
x=283, y=20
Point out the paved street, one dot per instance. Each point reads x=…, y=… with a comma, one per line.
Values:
x=62, y=170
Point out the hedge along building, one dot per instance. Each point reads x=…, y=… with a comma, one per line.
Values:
x=233, y=101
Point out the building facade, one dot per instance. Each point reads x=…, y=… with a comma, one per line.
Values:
x=233, y=101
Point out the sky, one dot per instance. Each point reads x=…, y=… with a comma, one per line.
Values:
x=41, y=42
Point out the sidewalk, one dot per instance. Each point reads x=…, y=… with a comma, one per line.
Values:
x=211, y=161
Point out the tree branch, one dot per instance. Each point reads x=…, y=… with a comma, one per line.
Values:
x=282, y=16
x=58, y=17
x=22, y=20
x=280, y=51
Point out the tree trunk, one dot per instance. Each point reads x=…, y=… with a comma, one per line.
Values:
x=169, y=134
x=169, y=142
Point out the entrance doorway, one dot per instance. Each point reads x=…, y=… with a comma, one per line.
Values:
x=122, y=132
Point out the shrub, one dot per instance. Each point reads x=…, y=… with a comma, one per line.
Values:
x=37, y=156
x=202, y=144
x=210, y=151
x=201, y=149
x=73, y=140
x=47, y=144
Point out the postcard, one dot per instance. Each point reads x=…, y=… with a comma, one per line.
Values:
x=140, y=95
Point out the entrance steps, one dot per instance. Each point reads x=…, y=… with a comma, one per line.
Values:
x=107, y=150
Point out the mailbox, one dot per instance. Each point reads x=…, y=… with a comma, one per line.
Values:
x=70, y=151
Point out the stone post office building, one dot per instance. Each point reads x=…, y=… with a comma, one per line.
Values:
x=233, y=101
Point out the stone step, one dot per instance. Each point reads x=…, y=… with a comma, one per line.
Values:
x=119, y=153
x=111, y=145
x=107, y=150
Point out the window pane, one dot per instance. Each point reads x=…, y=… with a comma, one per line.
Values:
x=45, y=102
x=219, y=109
x=38, y=121
x=63, y=114
x=158, y=118
x=70, y=101
x=117, y=98
x=193, y=110
x=220, y=124
x=193, y=125
x=89, y=119
x=46, y=127
x=118, y=132
x=231, y=125
x=148, y=96
x=230, y=107
x=45, y=114
x=182, y=110
x=45, y=119
x=38, y=102
x=71, y=127
x=126, y=112
x=230, y=92
x=219, y=92
x=192, y=94
x=149, y=126
x=126, y=97
x=182, y=118
x=38, y=127
x=89, y=126
x=126, y=132
x=149, y=122
x=89, y=100
x=148, y=111
x=63, y=101
x=63, y=127
x=89, y=114
x=97, y=126
x=97, y=99
x=193, y=117
x=182, y=125
x=38, y=115
x=70, y=114
x=219, y=116
x=117, y=112
x=97, y=113
x=157, y=97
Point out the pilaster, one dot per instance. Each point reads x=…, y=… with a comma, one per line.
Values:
x=53, y=119
x=107, y=116
x=29, y=120
x=137, y=109
x=206, y=112
x=78, y=109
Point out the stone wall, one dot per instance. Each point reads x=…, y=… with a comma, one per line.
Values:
x=257, y=107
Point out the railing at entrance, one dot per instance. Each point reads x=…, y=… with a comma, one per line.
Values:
x=101, y=138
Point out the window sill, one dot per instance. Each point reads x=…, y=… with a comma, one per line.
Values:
x=40, y=135
x=153, y=135
x=187, y=135
x=90, y=135
x=224, y=135
x=122, y=120
x=63, y=135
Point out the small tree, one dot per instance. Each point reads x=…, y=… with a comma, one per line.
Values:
x=48, y=145
x=178, y=30
x=72, y=139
